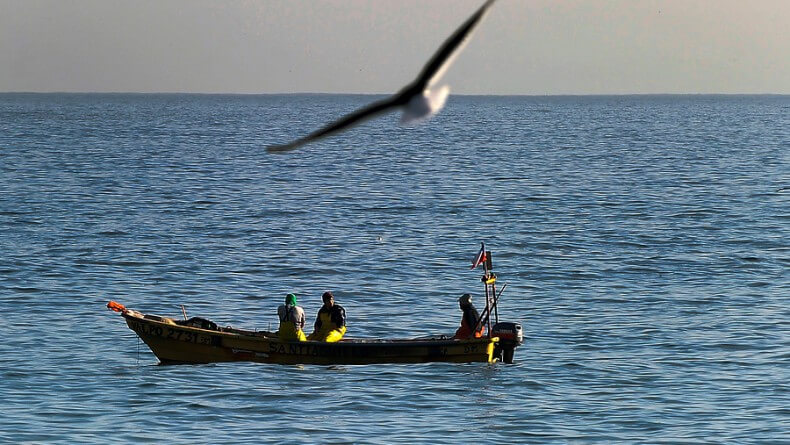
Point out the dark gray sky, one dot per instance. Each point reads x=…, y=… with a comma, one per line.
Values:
x=376, y=46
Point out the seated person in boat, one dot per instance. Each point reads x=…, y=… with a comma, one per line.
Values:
x=291, y=320
x=469, y=320
x=330, y=324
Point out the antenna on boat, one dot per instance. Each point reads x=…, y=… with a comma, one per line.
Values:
x=486, y=317
x=489, y=279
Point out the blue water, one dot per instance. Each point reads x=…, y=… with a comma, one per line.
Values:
x=643, y=239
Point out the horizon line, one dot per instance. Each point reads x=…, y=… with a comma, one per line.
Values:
x=311, y=93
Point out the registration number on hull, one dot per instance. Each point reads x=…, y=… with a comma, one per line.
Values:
x=170, y=333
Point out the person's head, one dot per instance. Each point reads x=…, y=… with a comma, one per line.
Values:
x=290, y=300
x=329, y=299
x=465, y=301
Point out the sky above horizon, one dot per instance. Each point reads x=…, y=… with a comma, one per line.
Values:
x=536, y=47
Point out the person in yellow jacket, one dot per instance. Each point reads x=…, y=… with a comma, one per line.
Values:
x=291, y=320
x=330, y=324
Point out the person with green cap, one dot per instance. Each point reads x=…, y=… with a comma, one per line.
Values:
x=291, y=320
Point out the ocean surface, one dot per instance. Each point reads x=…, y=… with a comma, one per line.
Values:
x=644, y=241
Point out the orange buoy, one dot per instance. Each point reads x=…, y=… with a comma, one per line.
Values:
x=115, y=306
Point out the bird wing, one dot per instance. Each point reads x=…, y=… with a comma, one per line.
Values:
x=451, y=47
x=347, y=121
x=432, y=71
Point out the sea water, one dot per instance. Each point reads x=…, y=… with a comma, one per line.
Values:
x=643, y=241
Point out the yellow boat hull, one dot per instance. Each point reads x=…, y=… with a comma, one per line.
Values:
x=174, y=343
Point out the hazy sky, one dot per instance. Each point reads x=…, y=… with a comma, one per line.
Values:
x=377, y=46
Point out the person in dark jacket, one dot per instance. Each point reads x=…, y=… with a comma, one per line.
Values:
x=330, y=323
x=469, y=319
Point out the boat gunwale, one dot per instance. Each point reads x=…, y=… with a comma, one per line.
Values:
x=272, y=336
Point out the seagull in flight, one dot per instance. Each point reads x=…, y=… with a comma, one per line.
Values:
x=418, y=100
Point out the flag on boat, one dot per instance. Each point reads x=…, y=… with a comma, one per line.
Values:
x=481, y=256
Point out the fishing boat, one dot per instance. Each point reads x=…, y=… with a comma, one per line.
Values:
x=199, y=340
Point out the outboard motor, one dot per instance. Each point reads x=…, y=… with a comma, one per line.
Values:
x=510, y=336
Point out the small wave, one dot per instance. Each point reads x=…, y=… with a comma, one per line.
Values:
x=113, y=233
x=25, y=290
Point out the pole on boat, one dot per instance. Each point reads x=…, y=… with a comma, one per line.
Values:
x=492, y=281
x=485, y=277
x=484, y=318
x=496, y=297
x=184, y=311
x=489, y=278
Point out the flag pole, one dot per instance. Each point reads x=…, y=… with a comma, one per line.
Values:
x=486, y=278
x=490, y=280
x=490, y=288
